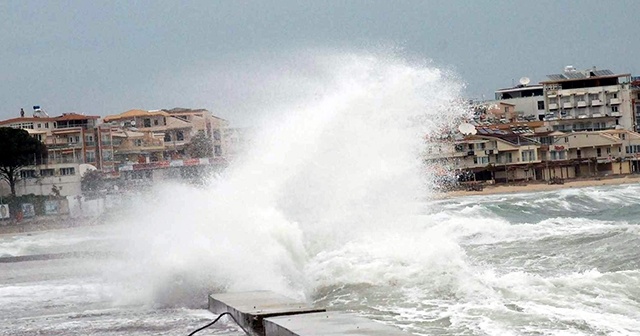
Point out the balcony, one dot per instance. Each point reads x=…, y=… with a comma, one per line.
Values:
x=567, y=105
x=582, y=116
x=614, y=101
x=553, y=106
x=616, y=114
x=90, y=143
x=63, y=144
x=582, y=103
x=596, y=102
x=58, y=160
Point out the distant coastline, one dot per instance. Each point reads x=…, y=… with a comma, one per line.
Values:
x=541, y=186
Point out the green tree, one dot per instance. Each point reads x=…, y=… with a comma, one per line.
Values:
x=92, y=182
x=200, y=146
x=18, y=149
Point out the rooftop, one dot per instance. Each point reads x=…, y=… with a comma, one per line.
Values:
x=135, y=113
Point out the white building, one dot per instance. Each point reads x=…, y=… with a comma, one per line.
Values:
x=528, y=100
x=41, y=179
x=589, y=100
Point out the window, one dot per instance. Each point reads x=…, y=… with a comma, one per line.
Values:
x=623, y=136
x=609, y=150
x=528, y=155
x=558, y=155
x=155, y=122
x=39, y=125
x=167, y=137
x=46, y=125
x=598, y=152
x=137, y=142
x=615, y=95
x=541, y=105
x=147, y=122
x=46, y=172
x=566, y=139
x=481, y=145
x=509, y=158
x=179, y=136
x=67, y=171
x=107, y=155
x=27, y=173
x=91, y=156
x=216, y=135
x=614, y=109
x=217, y=150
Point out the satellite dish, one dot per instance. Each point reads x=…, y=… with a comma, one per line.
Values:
x=525, y=80
x=466, y=129
x=122, y=124
x=133, y=122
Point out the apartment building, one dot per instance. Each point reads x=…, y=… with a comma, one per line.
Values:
x=491, y=154
x=164, y=134
x=527, y=100
x=70, y=144
x=588, y=100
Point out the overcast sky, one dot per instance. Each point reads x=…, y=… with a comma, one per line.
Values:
x=106, y=57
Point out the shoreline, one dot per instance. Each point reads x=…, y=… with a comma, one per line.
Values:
x=540, y=186
x=45, y=224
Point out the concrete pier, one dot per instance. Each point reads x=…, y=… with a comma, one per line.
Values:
x=266, y=313
x=250, y=308
x=327, y=324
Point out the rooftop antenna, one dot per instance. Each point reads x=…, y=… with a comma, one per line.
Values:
x=524, y=81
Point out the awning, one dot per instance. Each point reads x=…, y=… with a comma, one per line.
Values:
x=66, y=131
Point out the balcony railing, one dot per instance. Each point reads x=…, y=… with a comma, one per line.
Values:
x=582, y=103
x=567, y=105
x=49, y=161
x=596, y=102
x=614, y=101
x=553, y=106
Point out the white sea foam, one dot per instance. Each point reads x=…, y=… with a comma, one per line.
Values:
x=329, y=188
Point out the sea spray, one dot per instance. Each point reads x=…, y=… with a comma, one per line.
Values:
x=340, y=174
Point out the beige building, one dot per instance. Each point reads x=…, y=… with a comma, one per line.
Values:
x=151, y=136
x=589, y=100
x=71, y=142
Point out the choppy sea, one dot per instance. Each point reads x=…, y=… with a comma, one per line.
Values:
x=547, y=263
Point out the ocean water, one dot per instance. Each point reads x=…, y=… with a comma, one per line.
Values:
x=547, y=263
x=331, y=204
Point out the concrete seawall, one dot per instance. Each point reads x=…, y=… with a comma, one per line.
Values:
x=266, y=313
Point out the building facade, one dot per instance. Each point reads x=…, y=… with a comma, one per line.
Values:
x=589, y=100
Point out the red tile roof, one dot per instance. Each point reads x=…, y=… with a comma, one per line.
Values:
x=74, y=116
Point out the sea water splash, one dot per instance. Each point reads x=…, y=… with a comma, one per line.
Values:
x=327, y=194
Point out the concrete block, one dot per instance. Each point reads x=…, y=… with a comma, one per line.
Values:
x=250, y=308
x=327, y=324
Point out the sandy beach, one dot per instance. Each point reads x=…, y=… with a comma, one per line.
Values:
x=542, y=186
